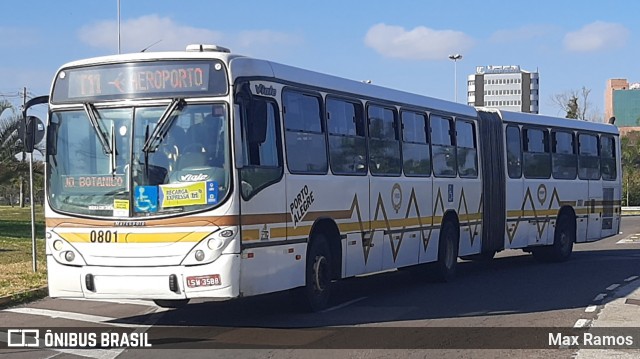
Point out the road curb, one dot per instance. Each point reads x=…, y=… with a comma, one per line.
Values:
x=22, y=297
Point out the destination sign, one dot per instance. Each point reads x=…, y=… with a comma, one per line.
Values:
x=140, y=80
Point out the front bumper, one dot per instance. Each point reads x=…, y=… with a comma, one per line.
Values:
x=144, y=282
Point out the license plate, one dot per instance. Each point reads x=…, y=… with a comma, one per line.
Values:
x=204, y=281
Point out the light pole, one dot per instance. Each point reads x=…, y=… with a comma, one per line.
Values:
x=118, y=27
x=455, y=59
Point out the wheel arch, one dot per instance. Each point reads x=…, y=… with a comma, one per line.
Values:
x=329, y=229
x=451, y=215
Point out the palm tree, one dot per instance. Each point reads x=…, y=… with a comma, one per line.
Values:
x=12, y=170
x=9, y=142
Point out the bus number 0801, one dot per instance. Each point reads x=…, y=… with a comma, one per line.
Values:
x=103, y=236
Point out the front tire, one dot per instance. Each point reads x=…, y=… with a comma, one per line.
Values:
x=318, y=283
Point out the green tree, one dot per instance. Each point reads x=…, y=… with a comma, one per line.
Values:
x=630, y=158
x=10, y=144
x=572, y=108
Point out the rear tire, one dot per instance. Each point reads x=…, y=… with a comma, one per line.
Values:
x=562, y=247
x=171, y=303
x=318, y=277
x=444, y=269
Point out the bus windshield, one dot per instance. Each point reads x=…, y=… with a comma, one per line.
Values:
x=138, y=161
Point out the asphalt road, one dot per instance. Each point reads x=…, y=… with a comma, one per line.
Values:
x=386, y=315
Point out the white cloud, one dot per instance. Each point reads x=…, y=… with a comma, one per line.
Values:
x=596, y=36
x=139, y=33
x=420, y=43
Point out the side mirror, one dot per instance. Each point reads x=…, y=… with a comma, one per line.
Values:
x=33, y=134
x=34, y=128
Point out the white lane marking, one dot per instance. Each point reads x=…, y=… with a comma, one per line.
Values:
x=613, y=286
x=591, y=309
x=71, y=316
x=581, y=323
x=93, y=353
x=633, y=277
x=599, y=297
x=339, y=306
x=146, y=303
x=625, y=241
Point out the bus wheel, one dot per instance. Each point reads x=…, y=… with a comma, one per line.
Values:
x=445, y=266
x=171, y=303
x=560, y=250
x=318, y=274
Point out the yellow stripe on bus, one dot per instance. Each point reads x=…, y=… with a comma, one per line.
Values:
x=190, y=237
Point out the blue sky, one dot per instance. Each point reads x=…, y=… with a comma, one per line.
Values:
x=400, y=44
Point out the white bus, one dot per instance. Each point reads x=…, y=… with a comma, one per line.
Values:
x=204, y=174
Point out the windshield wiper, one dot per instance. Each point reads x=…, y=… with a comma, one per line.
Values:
x=93, y=115
x=109, y=147
x=164, y=123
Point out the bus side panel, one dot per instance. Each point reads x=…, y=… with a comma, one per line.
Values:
x=517, y=232
x=594, y=205
x=611, y=194
x=395, y=211
x=267, y=265
x=353, y=198
x=272, y=268
x=469, y=209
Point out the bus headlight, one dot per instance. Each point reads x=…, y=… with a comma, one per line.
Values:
x=63, y=252
x=57, y=245
x=210, y=248
x=215, y=244
x=199, y=255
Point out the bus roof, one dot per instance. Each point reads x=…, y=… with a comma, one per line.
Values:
x=244, y=66
x=535, y=119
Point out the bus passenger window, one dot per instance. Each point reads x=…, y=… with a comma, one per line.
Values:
x=384, y=144
x=415, y=144
x=537, y=157
x=514, y=152
x=608, y=158
x=467, y=153
x=588, y=159
x=304, y=136
x=347, y=142
x=443, y=146
x=564, y=161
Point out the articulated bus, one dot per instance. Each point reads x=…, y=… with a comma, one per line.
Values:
x=205, y=174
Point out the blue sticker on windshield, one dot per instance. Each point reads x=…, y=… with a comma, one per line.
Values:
x=145, y=199
x=212, y=192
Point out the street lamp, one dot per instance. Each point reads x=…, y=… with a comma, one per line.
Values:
x=455, y=59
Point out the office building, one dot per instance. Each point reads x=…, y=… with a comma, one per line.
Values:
x=504, y=87
x=622, y=100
